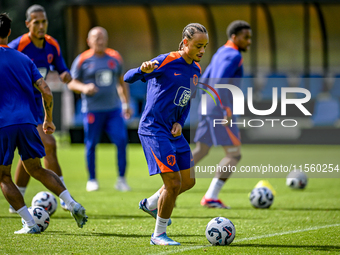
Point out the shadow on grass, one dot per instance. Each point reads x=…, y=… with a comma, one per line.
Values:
x=282, y=246
x=194, y=190
x=232, y=191
x=98, y=234
x=247, y=208
x=104, y=217
x=306, y=209
x=10, y=217
x=116, y=234
x=209, y=217
x=129, y=217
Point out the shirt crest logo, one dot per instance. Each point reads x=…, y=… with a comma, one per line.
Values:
x=111, y=64
x=49, y=58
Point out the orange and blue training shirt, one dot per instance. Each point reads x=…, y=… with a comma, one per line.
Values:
x=168, y=93
x=46, y=58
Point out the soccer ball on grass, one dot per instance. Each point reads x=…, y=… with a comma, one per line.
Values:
x=220, y=231
x=297, y=179
x=40, y=216
x=46, y=200
x=261, y=197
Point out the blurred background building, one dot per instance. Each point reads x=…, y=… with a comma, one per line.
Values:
x=294, y=43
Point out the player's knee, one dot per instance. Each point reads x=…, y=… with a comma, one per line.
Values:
x=174, y=186
x=5, y=177
x=188, y=184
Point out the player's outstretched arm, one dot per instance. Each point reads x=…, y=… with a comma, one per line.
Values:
x=136, y=74
x=47, y=97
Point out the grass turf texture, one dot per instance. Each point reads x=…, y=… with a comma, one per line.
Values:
x=298, y=222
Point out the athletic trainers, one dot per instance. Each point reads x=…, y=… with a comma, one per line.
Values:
x=162, y=239
x=153, y=213
x=92, y=185
x=213, y=203
x=121, y=184
x=63, y=205
x=29, y=230
x=79, y=215
x=11, y=209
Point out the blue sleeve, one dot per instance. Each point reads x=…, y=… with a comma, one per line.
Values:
x=59, y=63
x=184, y=115
x=133, y=75
x=14, y=44
x=76, y=71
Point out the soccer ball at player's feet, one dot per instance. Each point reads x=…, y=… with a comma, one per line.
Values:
x=40, y=216
x=46, y=200
x=261, y=197
x=220, y=231
x=297, y=179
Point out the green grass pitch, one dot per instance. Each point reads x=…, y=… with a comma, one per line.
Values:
x=298, y=222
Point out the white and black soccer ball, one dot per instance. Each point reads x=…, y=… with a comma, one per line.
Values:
x=297, y=179
x=46, y=200
x=40, y=216
x=220, y=231
x=261, y=197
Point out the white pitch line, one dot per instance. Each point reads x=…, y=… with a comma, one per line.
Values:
x=251, y=238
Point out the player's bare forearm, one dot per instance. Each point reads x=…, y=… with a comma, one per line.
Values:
x=125, y=95
x=42, y=86
x=79, y=87
x=76, y=86
x=47, y=97
x=48, y=107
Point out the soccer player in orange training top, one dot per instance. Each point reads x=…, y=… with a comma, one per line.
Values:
x=226, y=63
x=45, y=52
x=18, y=130
x=160, y=130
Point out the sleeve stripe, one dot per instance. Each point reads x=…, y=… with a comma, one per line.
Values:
x=85, y=55
x=24, y=41
x=53, y=42
x=114, y=54
x=171, y=57
x=199, y=67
